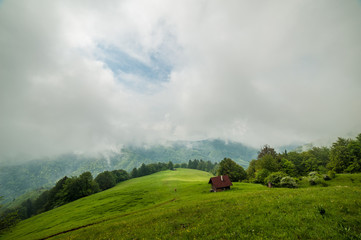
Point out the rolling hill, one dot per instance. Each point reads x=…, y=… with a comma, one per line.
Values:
x=178, y=205
x=17, y=179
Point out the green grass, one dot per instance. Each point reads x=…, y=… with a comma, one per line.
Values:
x=150, y=208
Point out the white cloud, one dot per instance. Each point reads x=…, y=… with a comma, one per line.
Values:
x=257, y=72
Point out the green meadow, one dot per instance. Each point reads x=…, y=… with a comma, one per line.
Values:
x=178, y=205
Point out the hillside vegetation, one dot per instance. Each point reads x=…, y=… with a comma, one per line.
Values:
x=17, y=179
x=178, y=204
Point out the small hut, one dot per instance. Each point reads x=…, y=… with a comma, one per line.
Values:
x=220, y=183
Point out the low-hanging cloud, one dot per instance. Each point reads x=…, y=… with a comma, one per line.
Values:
x=256, y=72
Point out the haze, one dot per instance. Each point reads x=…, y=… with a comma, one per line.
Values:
x=92, y=75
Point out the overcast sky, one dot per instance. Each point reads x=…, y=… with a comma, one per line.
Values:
x=91, y=75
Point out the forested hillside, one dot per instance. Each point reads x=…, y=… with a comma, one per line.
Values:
x=17, y=179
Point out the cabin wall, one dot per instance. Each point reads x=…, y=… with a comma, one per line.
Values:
x=222, y=189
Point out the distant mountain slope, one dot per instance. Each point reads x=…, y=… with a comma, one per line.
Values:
x=15, y=180
x=178, y=152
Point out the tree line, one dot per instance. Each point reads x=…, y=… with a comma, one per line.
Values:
x=69, y=189
x=146, y=169
x=279, y=169
x=8, y=220
x=206, y=166
x=344, y=156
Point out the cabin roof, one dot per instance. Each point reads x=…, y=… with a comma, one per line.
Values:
x=220, y=181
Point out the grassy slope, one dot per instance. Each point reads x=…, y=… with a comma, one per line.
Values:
x=149, y=208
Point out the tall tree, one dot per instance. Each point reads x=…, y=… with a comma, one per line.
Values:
x=134, y=173
x=339, y=155
x=105, y=180
x=54, y=197
x=322, y=154
x=170, y=165
x=8, y=220
x=251, y=170
x=143, y=170
x=41, y=203
x=288, y=167
x=78, y=187
x=268, y=162
x=296, y=159
x=120, y=175
x=354, y=148
x=87, y=185
x=267, y=150
x=234, y=171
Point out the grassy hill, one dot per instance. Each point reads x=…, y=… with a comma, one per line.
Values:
x=19, y=178
x=150, y=208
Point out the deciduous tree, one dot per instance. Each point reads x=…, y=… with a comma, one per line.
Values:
x=105, y=180
x=234, y=171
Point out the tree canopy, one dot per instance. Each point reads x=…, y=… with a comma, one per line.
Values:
x=343, y=156
x=234, y=171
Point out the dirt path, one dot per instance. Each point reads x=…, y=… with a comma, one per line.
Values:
x=109, y=219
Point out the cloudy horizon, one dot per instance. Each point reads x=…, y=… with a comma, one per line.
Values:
x=88, y=76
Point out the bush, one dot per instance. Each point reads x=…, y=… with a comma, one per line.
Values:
x=317, y=180
x=322, y=169
x=288, y=182
x=353, y=168
x=312, y=180
x=331, y=174
x=261, y=175
x=275, y=178
x=326, y=177
x=322, y=182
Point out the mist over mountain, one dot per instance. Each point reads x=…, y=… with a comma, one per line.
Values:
x=17, y=178
x=186, y=70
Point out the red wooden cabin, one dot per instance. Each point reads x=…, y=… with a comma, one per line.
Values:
x=220, y=183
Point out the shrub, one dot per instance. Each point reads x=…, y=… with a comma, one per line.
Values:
x=275, y=178
x=288, y=182
x=312, y=180
x=354, y=167
x=322, y=182
x=326, y=177
x=317, y=180
x=322, y=169
x=313, y=174
x=261, y=175
x=331, y=174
